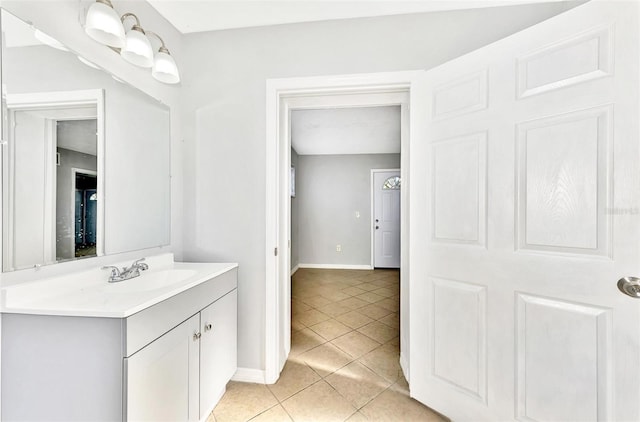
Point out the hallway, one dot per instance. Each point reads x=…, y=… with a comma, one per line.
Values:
x=344, y=360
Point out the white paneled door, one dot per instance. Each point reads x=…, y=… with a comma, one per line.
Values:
x=386, y=218
x=531, y=216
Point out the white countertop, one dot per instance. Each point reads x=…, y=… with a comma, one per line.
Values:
x=88, y=294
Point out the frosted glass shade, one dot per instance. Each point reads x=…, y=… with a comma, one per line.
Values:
x=137, y=49
x=165, y=69
x=103, y=25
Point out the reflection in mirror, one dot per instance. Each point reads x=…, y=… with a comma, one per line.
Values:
x=57, y=112
x=76, y=188
x=51, y=172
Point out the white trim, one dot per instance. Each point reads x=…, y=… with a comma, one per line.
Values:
x=295, y=269
x=336, y=266
x=373, y=205
x=317, y=92
x=50, y=183
x=256, y=376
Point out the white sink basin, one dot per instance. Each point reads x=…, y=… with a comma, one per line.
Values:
x=87, y=293
x=150, y=281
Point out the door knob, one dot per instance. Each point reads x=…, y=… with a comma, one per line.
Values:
x=208, y=327
x=630, y=286
x=377, y=220
x=196, y=336
x=377, y=227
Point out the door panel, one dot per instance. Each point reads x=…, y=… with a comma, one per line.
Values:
x=546, y=330
x=218, y=350
x=386, y=214
x=459, y=359
x=459, y=189
x=542, y=127
x=158, y=377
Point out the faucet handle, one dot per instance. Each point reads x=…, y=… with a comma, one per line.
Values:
x=116, y=275
x=137, y=264
x=115, y=271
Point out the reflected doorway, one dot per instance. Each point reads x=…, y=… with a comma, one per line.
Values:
x=85, y=207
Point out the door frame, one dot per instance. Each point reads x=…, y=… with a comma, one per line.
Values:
x=373, y=205
x=283, y=95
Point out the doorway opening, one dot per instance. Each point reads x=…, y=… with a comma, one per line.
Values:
x=284, y=96
x=84, y=188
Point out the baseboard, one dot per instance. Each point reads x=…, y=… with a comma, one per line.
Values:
x=249, y=375
x=336, y=266
x=404, y=365
x=294, y=269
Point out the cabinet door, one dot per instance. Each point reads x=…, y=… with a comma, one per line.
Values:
x=160, y=377
x=218, y=349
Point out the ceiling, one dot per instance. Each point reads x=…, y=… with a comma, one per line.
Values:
x=361, y=130
x=210, y=15
x=76, y=127
x=78, y=135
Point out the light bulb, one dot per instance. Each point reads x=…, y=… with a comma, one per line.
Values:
x=103, y=24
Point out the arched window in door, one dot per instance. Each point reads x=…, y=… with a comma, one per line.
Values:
x=391, y=183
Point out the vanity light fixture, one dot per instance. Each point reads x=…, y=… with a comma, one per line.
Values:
x=137, y=49
x=103, y=24
x=164, y=66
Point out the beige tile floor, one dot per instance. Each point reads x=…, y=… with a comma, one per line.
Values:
x=343, y=364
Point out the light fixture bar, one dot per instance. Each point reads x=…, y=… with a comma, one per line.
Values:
x=133, y=45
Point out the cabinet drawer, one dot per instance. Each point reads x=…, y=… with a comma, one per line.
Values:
x=147, y=325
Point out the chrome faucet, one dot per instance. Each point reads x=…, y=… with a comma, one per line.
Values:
x=127, y=272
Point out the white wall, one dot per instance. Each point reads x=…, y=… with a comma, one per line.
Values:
x=30, y=192
x=224, y=119
x=331, y=188
x=350, y=130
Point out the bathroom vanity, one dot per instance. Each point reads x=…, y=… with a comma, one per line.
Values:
x=161, y=346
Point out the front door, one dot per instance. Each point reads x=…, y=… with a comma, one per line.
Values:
x=386, y=219
x=527, y=217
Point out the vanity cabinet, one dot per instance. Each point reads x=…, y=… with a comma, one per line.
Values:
x=182, y=375
x=167, y=362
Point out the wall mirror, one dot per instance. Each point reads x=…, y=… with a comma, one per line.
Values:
x=86, y=159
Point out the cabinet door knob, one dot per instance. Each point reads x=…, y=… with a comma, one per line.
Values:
x=208, y=327
x=196, y=336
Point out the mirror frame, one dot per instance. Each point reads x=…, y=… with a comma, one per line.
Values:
x=34, y=101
